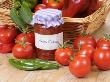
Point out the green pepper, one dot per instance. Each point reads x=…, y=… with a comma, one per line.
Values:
x=23, y=66
x=33, y=64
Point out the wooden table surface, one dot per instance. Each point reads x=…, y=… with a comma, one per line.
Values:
x=10, y=74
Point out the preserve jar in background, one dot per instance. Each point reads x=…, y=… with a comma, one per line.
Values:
x=48, y=32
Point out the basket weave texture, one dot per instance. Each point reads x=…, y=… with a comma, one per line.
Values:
x=72, y=26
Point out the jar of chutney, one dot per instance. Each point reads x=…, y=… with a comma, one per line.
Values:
x=48, y=32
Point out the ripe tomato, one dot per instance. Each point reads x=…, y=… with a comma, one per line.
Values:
x=6, y=48
x=23, y=52
x=63, y=55
x=102, y=42
x=7, y=34
x=102, y=58
x=83, y=40
x=87, y=50
x=80, y=66
x=44, y=1
x=56, y=4
x=29, y=37
x=3, y=26
x=39, y=7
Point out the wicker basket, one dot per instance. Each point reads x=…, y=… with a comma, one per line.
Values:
x=72, y=26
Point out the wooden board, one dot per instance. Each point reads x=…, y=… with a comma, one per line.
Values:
x=10, y=74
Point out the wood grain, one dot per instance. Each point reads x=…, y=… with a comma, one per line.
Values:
x=10, y=74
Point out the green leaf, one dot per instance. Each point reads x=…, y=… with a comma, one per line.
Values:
x=32, y=3
x=17, y=5
x=17, y=19
x=25, y=12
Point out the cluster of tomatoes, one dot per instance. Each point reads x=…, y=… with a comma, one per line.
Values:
x=71, y=8
x=7, y=36
x=89, y=52
x=20, y=44
x=56, y=4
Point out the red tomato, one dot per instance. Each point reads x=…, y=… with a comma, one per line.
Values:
x=102, y=58
x=6, y=48
x=3, y=26
x=44, y=1
x=39, y=7
x=87, y=50
x=83, y=40
x=23, y=52
x=62, y=55
x=29, y=37
x=102, y=42
x=7, y=34
x=80, y=66
x=56, y=4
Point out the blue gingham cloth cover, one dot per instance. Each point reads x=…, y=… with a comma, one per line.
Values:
x=48, y=18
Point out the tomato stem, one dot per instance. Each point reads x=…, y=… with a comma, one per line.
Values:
x=83, y=33
x=65, y=43
x=22, y=43
x=57, y=1
x=79, y=45
x=71, y=58
x=107, y=36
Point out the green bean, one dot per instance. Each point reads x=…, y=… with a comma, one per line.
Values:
x=19, y=65
x=33, y=64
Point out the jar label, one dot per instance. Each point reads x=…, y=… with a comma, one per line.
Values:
x=48, y=42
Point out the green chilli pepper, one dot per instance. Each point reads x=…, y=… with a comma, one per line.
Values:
x=33, y=64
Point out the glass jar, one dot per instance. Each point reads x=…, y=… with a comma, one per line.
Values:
x=48, y=32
